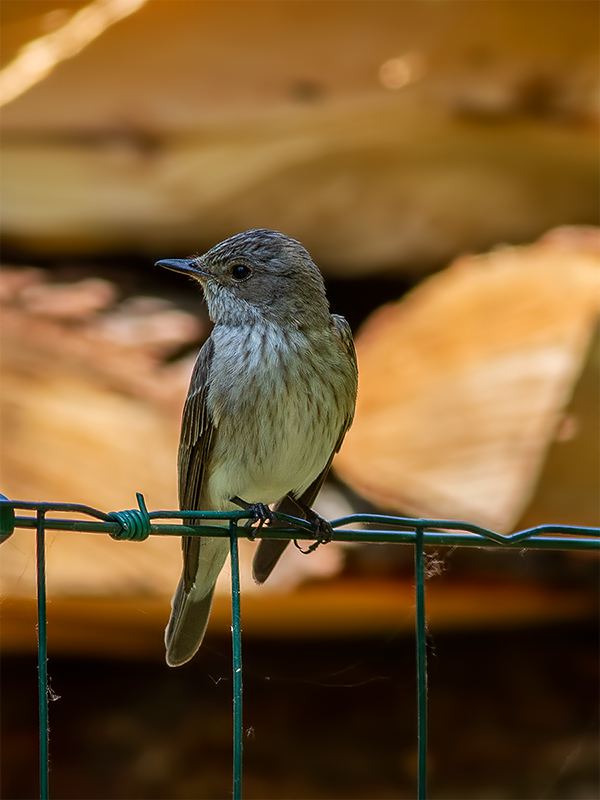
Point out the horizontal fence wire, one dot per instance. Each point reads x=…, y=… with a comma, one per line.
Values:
x=390, y=529
x=139, y=523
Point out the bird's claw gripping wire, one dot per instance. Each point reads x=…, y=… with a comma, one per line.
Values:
x=323, y=533
x=260, y=512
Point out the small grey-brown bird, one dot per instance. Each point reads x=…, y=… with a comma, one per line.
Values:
x=271, y=397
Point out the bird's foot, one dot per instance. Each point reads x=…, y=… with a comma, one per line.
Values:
x=260, y=512
x=322, y=528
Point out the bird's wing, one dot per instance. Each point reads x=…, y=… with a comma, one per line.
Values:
x=195, y=447
x=269, y=551
x=190, y=607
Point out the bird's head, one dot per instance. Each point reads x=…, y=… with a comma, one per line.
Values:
x=258, y=274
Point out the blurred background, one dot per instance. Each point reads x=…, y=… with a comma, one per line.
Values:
x=439, y=159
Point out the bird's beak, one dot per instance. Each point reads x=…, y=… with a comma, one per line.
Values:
x=188, y=265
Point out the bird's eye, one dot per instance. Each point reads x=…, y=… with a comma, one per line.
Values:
x=239, y=272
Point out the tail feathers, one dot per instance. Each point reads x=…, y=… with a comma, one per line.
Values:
x=187, y=624
x=268, y=553
x=190, y=608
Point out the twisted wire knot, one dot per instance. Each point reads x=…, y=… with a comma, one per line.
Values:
x=7, y=521
x=135, y=523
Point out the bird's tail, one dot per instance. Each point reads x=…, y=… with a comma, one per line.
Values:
x=187, y=624
x=190, y=610
x=269, y=551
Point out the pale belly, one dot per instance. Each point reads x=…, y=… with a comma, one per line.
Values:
x=278, y=417
x=280, y=449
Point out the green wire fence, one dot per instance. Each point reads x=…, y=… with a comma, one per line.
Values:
x=137, y=524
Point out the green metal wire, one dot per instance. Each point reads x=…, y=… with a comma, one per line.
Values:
x=421, y=659
x=397, y=530
x=236, y=648
x=42, y=649
x=138, y=524
x=7, y=521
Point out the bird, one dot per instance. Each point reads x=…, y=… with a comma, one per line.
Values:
x=271, y=397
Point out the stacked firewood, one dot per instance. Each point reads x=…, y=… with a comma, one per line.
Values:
x=476, y=400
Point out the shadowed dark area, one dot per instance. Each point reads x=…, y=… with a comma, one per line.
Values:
x=512, y=716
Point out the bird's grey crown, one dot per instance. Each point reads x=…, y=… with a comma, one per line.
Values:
x=260, y=244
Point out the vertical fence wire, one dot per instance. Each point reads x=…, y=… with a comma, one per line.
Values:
x=421, y=662
x=42, y=652
x=236, y=649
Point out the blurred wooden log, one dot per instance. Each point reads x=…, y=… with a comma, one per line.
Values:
x=453, y=127
x=567, y=490
x=206, y=58
x=464, y=382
